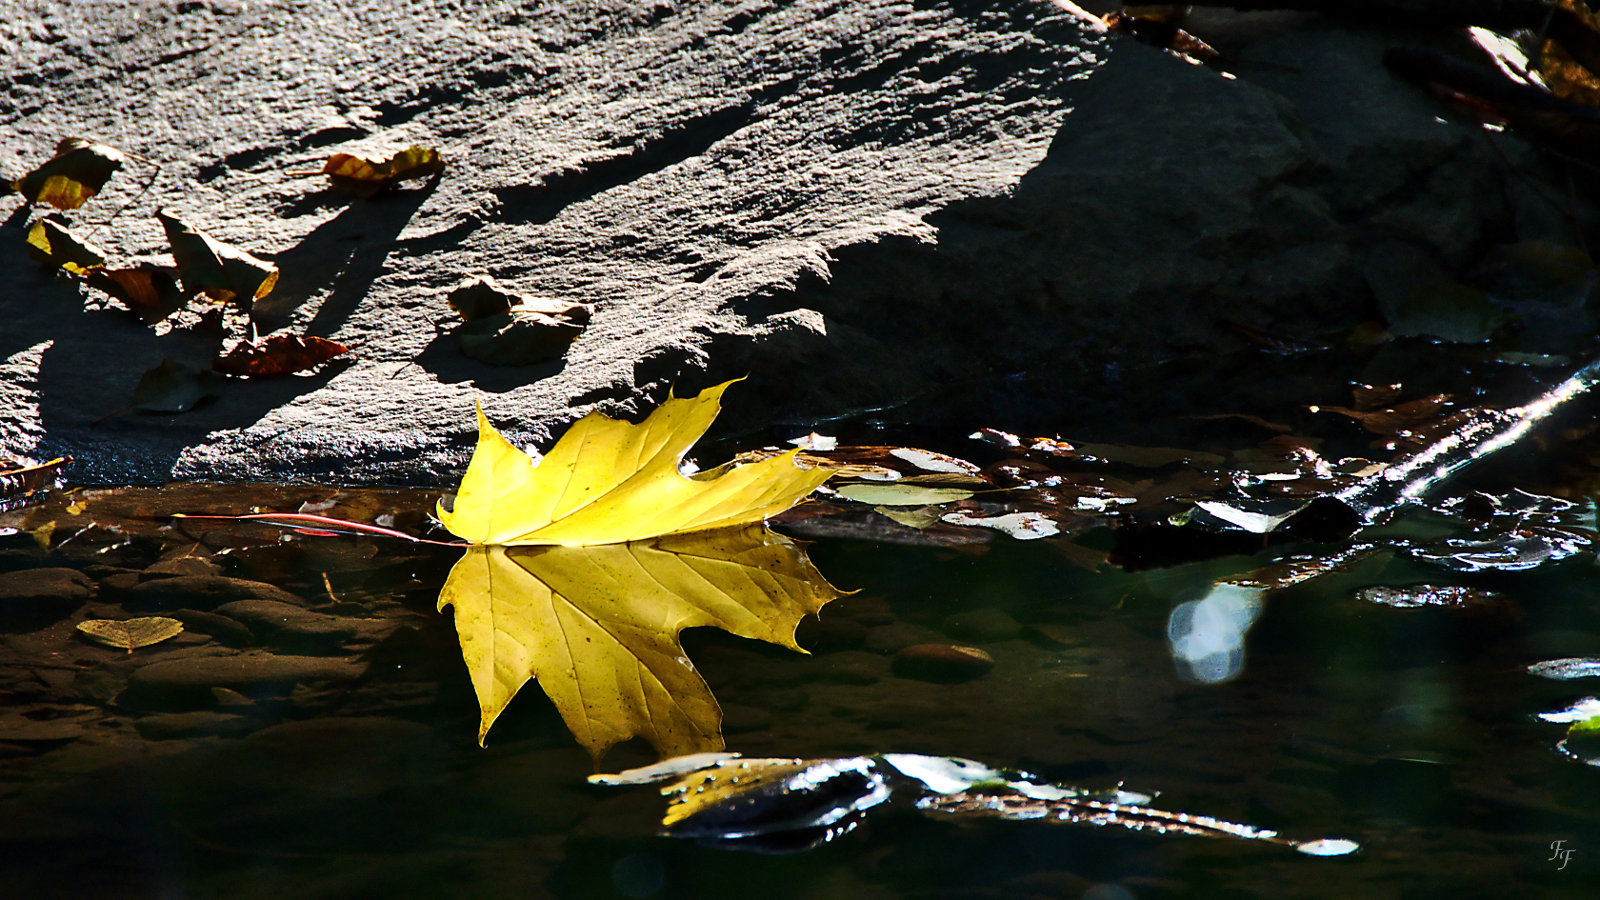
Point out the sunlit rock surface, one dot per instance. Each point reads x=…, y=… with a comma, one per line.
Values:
x=854, y=203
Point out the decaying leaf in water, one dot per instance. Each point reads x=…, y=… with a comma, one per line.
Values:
x=52, y=244
x=131, y=634
x=900, y=494
x=1390, y=419
x=151, y=291
x=598, y=627
x=23, y=480
x=279, y=354
x=1024, y=526
x=1559, y=71
x=220, y=271
x=607, y=481
x=365, y=177
x=77, y=172
x=918, y=517
x=787, y=805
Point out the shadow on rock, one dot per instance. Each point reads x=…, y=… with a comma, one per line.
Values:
x=347, y=252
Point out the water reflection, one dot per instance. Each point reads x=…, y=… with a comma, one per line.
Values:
x=598, y=627
x=1207, y=635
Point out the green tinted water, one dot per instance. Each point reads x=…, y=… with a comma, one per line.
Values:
x=1412, y=731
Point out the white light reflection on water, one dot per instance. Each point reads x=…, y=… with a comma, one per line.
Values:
x=1207, y=635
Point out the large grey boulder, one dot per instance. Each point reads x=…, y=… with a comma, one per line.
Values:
x=852, y=202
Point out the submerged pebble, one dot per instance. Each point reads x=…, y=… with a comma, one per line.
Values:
x=982, y=625
x=33, y=598
x=942, y=663
x=203, y=592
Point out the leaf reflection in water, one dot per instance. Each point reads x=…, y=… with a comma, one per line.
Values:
x=598, y=627
x=788, y=805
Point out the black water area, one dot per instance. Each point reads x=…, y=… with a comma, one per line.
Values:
x=313, y=730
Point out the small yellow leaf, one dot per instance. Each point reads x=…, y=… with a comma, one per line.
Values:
x=52, y=244
x=220, y=271
x=608, y=481
x=598, y=627
x=365, y=177
x=77, y=172
x=129, y=634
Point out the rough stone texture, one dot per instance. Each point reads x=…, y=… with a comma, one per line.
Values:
x=855, y=202
x=180, y=684
x=36, y=597
x=203, y=592
x=288, y=626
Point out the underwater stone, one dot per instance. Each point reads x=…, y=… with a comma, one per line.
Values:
x=942, y=663
x=33, y=598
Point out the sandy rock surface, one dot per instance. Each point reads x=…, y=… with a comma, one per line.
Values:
x=854, y=203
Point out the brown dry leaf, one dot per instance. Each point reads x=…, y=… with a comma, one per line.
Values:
x=278, y=355
x=1161, y=25
x=365, y=177
x=149, y=290
x=220, y=271
x=1563, y=75
x=130, y=634
x=77, y=172
x=517, y=338
x=1397, y=419
x=22, y=480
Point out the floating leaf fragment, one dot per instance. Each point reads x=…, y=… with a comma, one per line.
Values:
x=918, y=517
x=52, y=244
x=1583, y=741
x=928, y=461
x=130, y=634
x=77, y=172
x=814, y=441
x=365, y=177
x=608, y=481
x=1512, y=551
x=1587, y=708
x=1024, y=526
x=1449, y=596
x=1257, y=517
x=278, y=355
x=220, y=271
x=788, y=805
x=898, y=494
x=1567, y=669
x=598, y=627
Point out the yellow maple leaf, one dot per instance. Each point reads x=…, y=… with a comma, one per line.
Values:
x=608, y=481
x=598, y=627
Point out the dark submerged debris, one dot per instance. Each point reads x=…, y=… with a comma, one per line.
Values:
x=787, y=805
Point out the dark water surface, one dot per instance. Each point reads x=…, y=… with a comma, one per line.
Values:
x=1411, y=731
x=312, y=732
